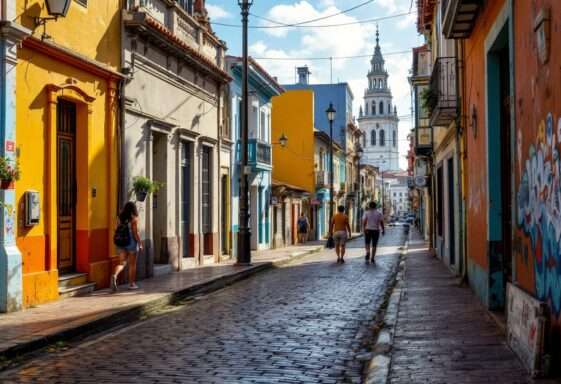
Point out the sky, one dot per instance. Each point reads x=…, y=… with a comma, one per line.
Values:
x=397, y=34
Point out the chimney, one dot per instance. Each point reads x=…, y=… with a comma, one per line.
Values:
x=303, y=75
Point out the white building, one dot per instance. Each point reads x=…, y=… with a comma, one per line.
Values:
x=378, y=120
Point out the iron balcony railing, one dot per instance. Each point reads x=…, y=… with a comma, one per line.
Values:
x=444, y=95
x=258, y=156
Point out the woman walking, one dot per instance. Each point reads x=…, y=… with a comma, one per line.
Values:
x=303, y=228
x=127, y=240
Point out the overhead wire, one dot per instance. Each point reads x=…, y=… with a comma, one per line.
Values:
x=330, y=57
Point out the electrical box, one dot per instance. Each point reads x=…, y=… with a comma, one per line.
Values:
x=32, y=208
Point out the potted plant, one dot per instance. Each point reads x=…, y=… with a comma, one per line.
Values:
x=9, y=172
x=142, y=186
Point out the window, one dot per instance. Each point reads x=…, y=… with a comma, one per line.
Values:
x=364, y=140
x=187, y=5
x=381, y=108
x=372, y=137
x=373, y=107
x=389, y=108
x=366, y=109
x=394, y=138
x=382, y=138
x=263, y=126
x=206, y=181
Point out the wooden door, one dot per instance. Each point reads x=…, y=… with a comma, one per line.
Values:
x=66, y=185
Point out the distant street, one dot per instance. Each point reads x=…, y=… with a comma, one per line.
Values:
x=303, y=323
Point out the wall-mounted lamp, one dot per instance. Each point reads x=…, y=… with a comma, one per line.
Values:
x=283, y=140
x=55, y=9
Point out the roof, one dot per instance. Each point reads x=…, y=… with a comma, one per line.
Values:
x=258, y=68
x=325, y=138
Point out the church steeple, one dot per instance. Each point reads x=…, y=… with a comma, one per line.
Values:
x=377, y=76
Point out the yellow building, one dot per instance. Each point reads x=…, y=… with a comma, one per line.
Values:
x=293, y=165
x=67, y=113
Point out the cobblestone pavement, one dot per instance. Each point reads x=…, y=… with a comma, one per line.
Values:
x=443, y=334
x=303, y=323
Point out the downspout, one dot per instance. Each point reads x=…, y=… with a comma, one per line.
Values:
x=462, y=142
x=218, y=167
x=458, y=138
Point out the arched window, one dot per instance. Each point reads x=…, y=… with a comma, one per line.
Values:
x=364, y=140
x=394, y=139
x=373, y=107
x=389, y=108
x=366, y=109
x=381, y=108
x=372, y=137
x=382, y=138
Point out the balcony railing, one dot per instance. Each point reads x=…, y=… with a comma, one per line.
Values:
x=322, y=179
x=443, y=88
x=258, y=156
x=459, y=17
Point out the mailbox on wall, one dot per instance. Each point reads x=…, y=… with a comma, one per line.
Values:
x=32, y=208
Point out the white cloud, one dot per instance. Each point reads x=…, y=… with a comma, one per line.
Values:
x=216, y=12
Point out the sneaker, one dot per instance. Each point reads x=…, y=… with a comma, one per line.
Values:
x=133, y=286
x=114, y=283
x=342, y=260
x=367, y=258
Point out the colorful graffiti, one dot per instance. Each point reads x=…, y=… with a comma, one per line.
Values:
x=539, y=210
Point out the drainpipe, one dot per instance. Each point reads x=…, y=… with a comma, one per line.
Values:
x=218, y=168
x=459, y=156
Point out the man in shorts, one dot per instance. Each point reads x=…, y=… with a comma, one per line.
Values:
x=341, y=231
x=372, y=224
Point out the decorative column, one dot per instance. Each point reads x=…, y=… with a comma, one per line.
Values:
x=10, y=257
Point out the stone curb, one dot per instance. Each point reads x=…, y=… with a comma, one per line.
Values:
x=140, y=311
x=378, y=369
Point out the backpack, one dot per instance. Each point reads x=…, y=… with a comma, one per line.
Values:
x=302, y=224
x=122, y=236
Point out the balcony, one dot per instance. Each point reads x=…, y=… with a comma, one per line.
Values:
x=259, y=155
x=459, y=17
x=322, y=179
x=442, y=98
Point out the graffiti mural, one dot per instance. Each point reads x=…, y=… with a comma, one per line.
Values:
x=539, y=210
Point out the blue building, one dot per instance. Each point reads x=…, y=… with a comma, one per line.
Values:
x=262, y=87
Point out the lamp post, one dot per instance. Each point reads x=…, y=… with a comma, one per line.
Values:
x=330, y=116
x=359, y=152
x=244, y=233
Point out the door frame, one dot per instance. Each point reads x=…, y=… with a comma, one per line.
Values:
x=84, y=105
x=500, y=35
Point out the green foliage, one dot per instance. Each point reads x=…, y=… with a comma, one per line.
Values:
x=144, y=184
x=429, y=99
x=9, y=170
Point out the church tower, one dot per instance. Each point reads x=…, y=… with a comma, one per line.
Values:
x=378, y=117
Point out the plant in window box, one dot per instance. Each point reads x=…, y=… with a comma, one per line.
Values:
x=143, y=186
x=9, y=172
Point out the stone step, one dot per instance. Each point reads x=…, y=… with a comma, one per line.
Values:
x=77, y=290
x=72, y=280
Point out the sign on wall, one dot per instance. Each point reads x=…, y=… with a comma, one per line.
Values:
x=525, y=327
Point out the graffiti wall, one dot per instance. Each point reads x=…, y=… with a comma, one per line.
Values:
x=539, y=210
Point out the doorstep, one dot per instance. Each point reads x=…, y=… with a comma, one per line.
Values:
x=34, y=328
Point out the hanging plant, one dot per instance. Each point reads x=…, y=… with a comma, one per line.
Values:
x=9, y=172
x=143, y=186
x=429, y=99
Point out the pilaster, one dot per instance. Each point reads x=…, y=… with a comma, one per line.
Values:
x=10, y=257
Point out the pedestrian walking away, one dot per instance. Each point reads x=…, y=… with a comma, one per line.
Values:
x=372, y=224
x=341, y=232
x=303, y=228
x=128, y=243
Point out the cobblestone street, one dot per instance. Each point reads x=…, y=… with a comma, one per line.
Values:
x=303, y=323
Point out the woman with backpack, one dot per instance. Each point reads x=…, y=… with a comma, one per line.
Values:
x=128, y=243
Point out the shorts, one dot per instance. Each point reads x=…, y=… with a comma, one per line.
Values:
x=340, y=237
x=132, y=247
x=371, y=237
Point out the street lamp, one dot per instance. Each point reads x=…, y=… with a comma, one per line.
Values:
x=283, y=140
x=55, y=9
x=330, y=116
x=244, y=233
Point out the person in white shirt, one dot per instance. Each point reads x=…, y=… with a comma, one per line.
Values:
x=372, y=225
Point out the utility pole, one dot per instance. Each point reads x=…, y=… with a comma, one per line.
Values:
x=244, y=234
